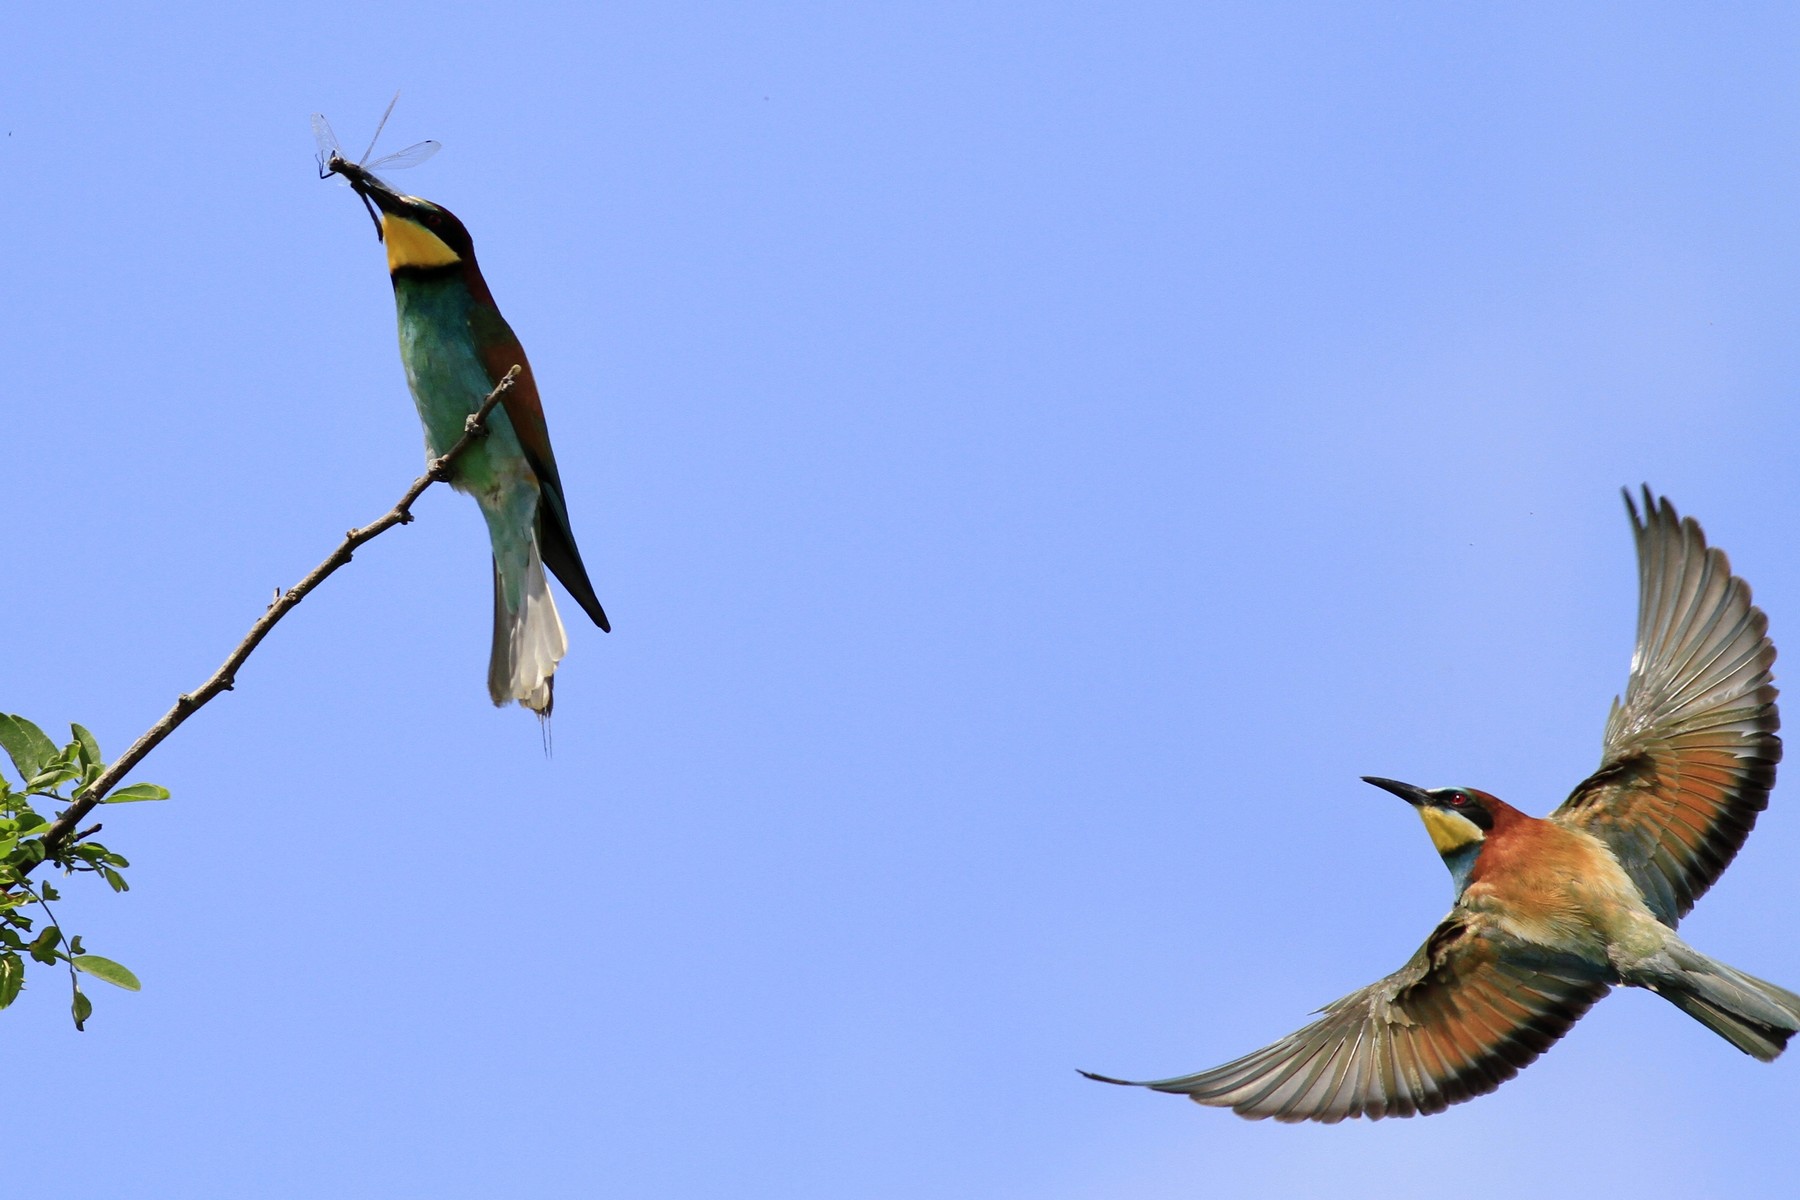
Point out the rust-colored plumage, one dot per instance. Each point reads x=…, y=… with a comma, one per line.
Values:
x=1552, y=913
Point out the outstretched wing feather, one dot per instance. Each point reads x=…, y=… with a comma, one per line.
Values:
x=1458, y=1020
x=1690, y=751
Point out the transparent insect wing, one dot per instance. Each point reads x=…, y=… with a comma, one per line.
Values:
x=379, y=126
x=399, y=160
x=329, y=149
x=324, y=137
x=412, y=156
x=333, y=160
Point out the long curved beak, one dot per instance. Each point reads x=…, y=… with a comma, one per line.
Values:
x=1415, y=796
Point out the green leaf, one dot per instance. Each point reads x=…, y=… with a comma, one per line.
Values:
x=12, y=978
x=107, y=969
x=114, y=880
x=25, y=744
x=90, y=748
x=136, y=792
x=46, y=782
x=82, y=1007
x=25, y=822
x=43, y=947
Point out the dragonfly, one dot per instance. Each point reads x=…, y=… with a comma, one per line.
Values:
x=332, y=160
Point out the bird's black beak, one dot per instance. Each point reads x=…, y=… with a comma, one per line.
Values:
x=1415, y=796
x=371, y=191
x=384, y=197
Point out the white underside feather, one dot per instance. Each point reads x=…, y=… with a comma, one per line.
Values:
x=528, y=643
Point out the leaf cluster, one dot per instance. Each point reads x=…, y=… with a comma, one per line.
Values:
x=51, y=779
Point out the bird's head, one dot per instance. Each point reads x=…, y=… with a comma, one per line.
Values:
x=1458, y=820
x=419, y=235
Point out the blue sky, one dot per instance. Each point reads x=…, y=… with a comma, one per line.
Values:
x=1035, y=459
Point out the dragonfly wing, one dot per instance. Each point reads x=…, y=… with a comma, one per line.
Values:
x=379, y=126
x=412, y=156
x=324, y=137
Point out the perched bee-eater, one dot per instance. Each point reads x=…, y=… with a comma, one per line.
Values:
x=1551, y=913
x=456, y=347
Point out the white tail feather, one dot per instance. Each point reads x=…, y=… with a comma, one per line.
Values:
x=528, y=643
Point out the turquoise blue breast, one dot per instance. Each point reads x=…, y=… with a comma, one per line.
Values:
x=1461, y=862
x=447, y=377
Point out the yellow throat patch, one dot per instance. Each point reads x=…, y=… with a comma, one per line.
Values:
x=410, y=244
x=1450, y=831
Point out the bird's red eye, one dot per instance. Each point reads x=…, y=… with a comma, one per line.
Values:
x=1458, y=800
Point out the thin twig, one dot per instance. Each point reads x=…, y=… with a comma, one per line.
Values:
x=68, y=952
x=58, y=831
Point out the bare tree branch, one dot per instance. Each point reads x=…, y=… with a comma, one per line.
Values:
x=57, y=833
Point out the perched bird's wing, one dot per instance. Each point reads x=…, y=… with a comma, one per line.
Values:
x=1468, y=1011
x=1690, y=754
x=500, y=352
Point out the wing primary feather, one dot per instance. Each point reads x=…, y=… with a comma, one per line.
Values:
x=1690, y=748
x=1351, y=1080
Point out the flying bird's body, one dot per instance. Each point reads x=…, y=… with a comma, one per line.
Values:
x=456, y=347
x=1551, y=913
x=1543, y=884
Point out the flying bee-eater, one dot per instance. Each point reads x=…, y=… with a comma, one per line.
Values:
x=1550, y=914
x=456, y=347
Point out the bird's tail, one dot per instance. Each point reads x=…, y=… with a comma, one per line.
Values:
x=1752, y=1014
x=528, y=639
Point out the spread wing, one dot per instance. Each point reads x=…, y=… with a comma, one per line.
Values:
x=1690, y=753
x=1463, y=1016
